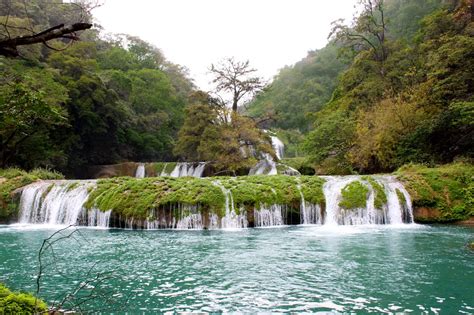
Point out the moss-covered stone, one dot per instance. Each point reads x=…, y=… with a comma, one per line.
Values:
x=449, y=189
x=12, y=179
x=380, y=198
x=401, y=197
x=354, y=195
x=137, y=198
x=20, y=303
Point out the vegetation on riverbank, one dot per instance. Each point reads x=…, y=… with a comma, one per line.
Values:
x=20, y=303
x=392, y=88
x=447, y=190
x=14, y=178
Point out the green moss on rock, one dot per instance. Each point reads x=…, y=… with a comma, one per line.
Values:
x=137, y=198
x=354, y=195
x=401, y=197
x=449, y=189
x=380, y=196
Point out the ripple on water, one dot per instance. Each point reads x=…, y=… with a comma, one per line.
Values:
x=379, y=269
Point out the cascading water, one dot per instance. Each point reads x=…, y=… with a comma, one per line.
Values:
x=62, y=202
x=231, y=220
x=267, y=216
x=183, y=169
x=140, y=172
x=266, y=166
x=394, y=211
x=309, y=213
x=59, y=202
x=278, y=146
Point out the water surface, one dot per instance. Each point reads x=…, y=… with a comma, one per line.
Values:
x=380, y=269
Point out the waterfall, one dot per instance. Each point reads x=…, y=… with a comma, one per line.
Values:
x=267, y=216
x=231, y=220
x=59, y=202
x=394, y=211
x=163, y=171
x=385, y=201
x=183, y=169
x=266, y=166
x=278, y=146
x=309, y=213
x=140, y=172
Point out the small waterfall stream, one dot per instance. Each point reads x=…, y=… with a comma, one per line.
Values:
x=140, y=172
x=183, y=169
x=278, y=146
x=309, y=213
x=231, y=220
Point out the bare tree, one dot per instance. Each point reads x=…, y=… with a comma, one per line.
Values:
x=14, y=35
x=236, y=78
x=92, y=288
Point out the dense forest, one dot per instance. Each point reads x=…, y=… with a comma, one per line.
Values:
x=394, y=87
x=99, y=100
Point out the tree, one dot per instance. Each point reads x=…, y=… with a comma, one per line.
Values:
x=368, y=32
x=19, y=28
x=30, y=108
x=229, y=146
x=236, y=78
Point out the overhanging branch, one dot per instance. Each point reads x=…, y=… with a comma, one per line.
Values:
x=9, y=47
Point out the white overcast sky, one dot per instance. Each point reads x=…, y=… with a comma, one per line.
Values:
x=196, y=33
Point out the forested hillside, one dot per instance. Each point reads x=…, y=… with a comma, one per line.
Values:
x=400, y=92
x=94, y=101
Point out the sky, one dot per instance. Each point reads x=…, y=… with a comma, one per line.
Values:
x=196, y=33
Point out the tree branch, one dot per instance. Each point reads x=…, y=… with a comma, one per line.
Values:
x=9, y=47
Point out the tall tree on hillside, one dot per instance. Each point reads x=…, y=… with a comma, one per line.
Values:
x=20, y=26
x=368, y=30
x=237, y=78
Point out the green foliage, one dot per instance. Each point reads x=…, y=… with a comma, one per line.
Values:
x=301, y=164
x=96, y=102
x=448, y=188
x=20, y=303
x=228, y=146
x=354, y=195
x=327, y=144
x=299, y=90
x=406, y=99
x=293, y=141
x=380, y=196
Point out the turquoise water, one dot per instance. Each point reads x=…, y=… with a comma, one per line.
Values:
x=292, y=269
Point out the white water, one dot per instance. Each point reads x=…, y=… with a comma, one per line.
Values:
x=183, y=169
x=392, y=212
x=231, y=220
x=59, y=203
x=267, y=216
x=266, y=166
x=278, y=146
x=309, y=213
x=140, y=172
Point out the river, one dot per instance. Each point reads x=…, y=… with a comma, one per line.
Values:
x=339, y=269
